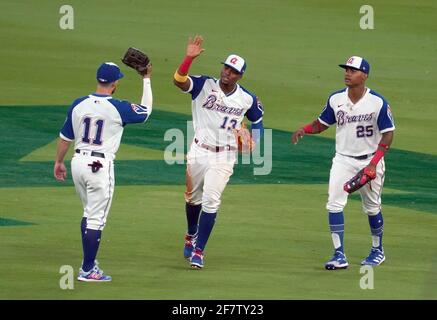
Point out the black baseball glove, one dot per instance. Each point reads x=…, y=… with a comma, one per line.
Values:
x=137, y=60
x=359, y=180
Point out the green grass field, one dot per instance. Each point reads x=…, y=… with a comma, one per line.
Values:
x=271, y=238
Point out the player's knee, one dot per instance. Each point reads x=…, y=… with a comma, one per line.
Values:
x=95, y=224
x=371, y=210
x=210, y=203
x=335, y=207
x=193, y=198
x=192, y=202
x=97, y=221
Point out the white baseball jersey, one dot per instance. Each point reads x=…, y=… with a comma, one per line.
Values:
x=359, y=126
x=96, y=122
x=215, y=114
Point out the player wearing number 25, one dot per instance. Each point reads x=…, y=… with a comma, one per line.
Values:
x=364, y=133
x=95, y=123
x=218, y=107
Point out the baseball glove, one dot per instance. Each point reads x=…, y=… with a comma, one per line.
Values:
x=363, y=176
x=137, y=60
x=244, y=139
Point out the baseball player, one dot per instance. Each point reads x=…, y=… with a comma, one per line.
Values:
x=218, y=107
x=95, y=123
x=364, y=133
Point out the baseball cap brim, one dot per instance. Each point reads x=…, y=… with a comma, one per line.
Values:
x=104, y=79
x=232, y=67
x=345, y=66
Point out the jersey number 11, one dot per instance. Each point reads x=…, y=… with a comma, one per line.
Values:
x=97, y=139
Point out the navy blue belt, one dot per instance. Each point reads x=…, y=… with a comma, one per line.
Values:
x=94, y=154
x=364, y=157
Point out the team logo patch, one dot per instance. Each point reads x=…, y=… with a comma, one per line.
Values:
x=350, y=61
x=259, y=104
x=390, y=115
x=138, y=109
x=234, y=60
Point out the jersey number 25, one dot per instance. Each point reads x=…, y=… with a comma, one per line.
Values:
x=366, y=131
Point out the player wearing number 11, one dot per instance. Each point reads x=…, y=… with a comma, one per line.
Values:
x=218, y=107
x=95, y=123
x=364, y=133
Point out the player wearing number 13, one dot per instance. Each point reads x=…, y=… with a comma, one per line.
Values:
x=364, y=132
x=95, y=123
x=218, y=107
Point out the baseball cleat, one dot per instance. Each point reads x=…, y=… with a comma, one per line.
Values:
x=196, y=260
x=94, y=275
x=375, y=258
x=338, y=261
x=190, y=243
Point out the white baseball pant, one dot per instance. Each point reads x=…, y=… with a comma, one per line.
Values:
x=344, y=168
x=95, y=189
x=207, y=175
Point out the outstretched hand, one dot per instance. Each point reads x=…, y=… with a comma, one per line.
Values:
x=298, y=134
x=194, y=47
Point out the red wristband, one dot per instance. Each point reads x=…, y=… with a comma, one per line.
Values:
x=378, y=155
x=308, y=128
x=385, y=146
x=185, y=65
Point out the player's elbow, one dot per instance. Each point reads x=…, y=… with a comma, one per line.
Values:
x=184, y=86
x=149, y=113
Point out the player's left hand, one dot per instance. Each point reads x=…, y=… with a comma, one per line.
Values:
x=137, y=60
x=60, y=171
x=194, y=47
x=148, y=74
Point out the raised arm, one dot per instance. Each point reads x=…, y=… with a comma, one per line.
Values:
x=194, y=49
x=147, y=97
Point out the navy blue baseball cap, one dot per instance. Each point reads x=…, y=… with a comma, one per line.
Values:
x=356, y=63
x=108, y=72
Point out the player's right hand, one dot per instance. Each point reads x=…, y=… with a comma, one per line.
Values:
x=194, y=47
x=60, y=171
x=298, y=134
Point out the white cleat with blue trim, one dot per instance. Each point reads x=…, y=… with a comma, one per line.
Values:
x=375, y=258
x=94, y=275
x=338, y=261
